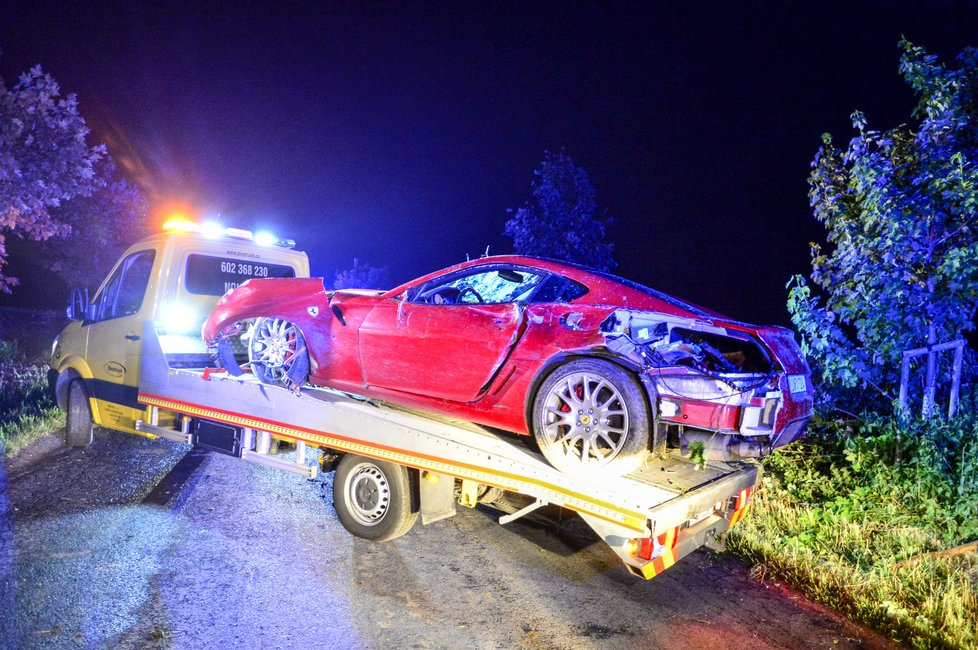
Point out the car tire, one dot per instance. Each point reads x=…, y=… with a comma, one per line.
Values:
x=79, y=429
x=608, y=434
x=277, y=352
x=374, y=499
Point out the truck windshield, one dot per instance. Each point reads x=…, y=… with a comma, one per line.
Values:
x=215, y=276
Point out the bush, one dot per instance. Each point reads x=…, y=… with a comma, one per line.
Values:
x=26, y=407
x=851, y=469
x=840, y=517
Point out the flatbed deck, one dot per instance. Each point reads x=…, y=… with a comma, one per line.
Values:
x=667, y=494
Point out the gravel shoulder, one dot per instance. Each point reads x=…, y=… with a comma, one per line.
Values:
x=132, y=543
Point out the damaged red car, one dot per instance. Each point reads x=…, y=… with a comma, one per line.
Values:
x=600, y=370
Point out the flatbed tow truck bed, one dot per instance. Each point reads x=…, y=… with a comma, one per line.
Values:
x=650, y=518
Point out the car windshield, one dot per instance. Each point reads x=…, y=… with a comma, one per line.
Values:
x=494, y=287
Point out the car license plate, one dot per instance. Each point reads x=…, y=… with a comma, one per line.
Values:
x=797, y=384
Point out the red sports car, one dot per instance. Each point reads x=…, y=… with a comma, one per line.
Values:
x=600, y=370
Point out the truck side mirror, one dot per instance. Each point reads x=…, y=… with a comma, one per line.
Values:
x=78, y=305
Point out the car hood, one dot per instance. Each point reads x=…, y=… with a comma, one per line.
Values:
x=256, y=297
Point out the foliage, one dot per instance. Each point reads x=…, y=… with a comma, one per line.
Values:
x=363, y=276
x=19, y=378
x=44, y=159
x=838, y=518
x=101, y=227
x=848, y=469
x=562, y=222
x=899, y=208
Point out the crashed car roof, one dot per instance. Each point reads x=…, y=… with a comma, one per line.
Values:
x=603, y=287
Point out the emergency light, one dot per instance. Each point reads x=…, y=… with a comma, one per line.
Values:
x=214, y=230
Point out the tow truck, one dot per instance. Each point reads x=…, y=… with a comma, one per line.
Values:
x=132, y=360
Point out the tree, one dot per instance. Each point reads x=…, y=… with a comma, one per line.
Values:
x=899, y=208
x=562, y=222
x=44, y=159
x=362, y=276
x=100, y=227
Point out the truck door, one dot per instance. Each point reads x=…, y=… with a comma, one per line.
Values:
x=115, y=323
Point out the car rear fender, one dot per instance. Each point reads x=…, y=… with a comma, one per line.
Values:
x=781, y=342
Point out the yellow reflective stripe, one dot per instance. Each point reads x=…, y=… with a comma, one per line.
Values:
x=659, y=564
x=648, y=571
x=633, y=520
x=668, y=559
x=734, y=518
x=737, y=515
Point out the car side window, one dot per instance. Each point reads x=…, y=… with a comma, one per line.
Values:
x=123, y=293
x=557, y=288
x=493, y=287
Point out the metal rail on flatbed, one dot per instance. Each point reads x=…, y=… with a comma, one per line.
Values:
x=665, y=495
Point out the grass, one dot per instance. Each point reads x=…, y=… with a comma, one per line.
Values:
x=18, y=434
x=838, y=519
x=27, y=410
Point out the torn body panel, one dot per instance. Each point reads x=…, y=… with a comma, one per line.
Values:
x=716, y=379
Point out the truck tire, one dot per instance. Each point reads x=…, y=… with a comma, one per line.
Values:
x=373, y=498
x=590, y=417
x=78, y=428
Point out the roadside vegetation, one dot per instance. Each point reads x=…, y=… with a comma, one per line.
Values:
x=875, y=512
x=888, y=543
x=27, y=411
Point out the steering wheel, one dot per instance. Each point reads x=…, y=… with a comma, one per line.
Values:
x=461, y=294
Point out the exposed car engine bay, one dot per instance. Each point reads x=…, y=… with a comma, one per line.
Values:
x=709, y=385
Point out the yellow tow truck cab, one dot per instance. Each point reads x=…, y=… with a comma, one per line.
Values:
x=174, y=278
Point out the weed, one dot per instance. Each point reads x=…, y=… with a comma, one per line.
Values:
x=27, y=410
x=838, y=515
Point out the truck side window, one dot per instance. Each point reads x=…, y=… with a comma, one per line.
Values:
x=124, y=292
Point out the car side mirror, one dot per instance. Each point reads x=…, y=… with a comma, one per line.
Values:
x=78, y=306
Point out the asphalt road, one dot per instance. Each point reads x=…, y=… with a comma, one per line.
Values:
x=133, y=543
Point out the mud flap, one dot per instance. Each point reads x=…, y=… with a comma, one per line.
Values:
x=437, y=497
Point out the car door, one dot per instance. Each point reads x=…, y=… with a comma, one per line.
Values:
x=114, y=324
x=446, y=348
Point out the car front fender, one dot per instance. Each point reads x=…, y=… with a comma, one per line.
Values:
x=286, y=298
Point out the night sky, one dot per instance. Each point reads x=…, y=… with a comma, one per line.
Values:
x=401, y=133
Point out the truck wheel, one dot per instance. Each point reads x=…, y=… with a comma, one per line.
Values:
x=78, y=429
x=590, y=416
x=278, y=353
x=373, y=498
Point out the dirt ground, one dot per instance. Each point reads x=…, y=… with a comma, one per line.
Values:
x=133, y=543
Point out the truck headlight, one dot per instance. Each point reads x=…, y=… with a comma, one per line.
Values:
x=178, y=317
